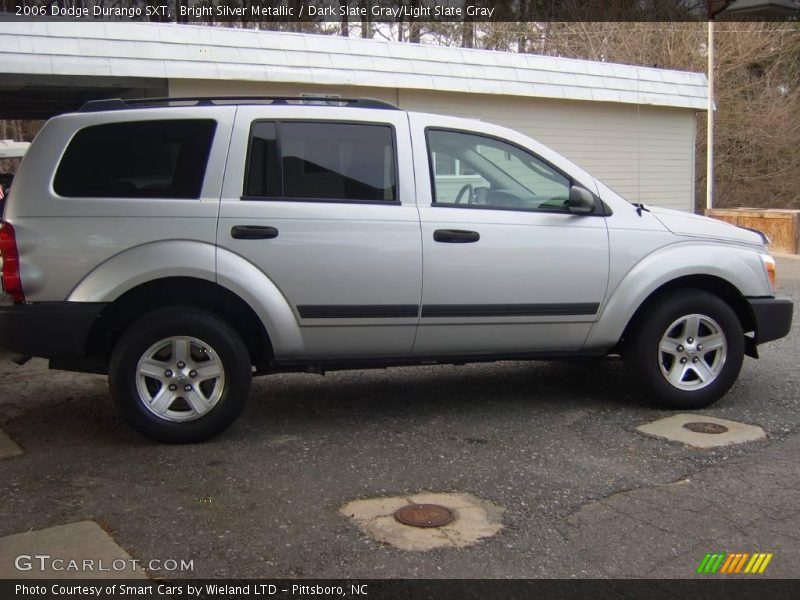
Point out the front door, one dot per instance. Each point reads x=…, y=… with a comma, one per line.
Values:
x=506, y=267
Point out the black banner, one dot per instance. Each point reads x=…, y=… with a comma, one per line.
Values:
x=247, y=12
x=709, y=588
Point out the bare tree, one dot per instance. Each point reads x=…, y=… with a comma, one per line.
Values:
x=344, y=29
x=366, y=19
x=414, y=29
x=468, y=33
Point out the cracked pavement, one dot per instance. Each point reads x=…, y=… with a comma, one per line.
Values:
x=664, y=530
x=553, y=444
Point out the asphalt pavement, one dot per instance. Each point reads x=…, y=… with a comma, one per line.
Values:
x=553, y=445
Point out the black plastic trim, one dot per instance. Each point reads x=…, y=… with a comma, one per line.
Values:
x=598, y=209
x=509, y=310
x=456, y=236
x=304, y=101
x=321, y=365
x=321, y=200
x=254, y=232
x=773, y=318
x=48, y=329
x=389, y=311
x=358, y=311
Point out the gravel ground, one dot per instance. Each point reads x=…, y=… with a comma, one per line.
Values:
x=553, y=444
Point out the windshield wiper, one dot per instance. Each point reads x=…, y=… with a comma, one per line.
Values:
x=640, y=207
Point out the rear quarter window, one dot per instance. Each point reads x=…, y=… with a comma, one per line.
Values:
x=140, y=159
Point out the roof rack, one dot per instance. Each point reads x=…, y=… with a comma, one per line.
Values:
x=130, y=103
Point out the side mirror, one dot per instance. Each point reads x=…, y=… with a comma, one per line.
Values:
x=581, y=201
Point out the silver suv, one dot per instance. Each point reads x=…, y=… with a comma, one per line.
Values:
x=184, y=245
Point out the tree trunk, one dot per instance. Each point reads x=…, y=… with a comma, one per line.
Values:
x=468, y=33
x=344, y=30
x=366, y=22
x=524, y=18
x=414, y=31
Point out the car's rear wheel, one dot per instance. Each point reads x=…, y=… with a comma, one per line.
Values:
x=687, y=349
x=180, y=375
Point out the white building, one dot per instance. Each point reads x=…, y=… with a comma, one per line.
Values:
x=632, y=127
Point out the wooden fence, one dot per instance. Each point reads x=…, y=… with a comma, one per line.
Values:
x=782, y=226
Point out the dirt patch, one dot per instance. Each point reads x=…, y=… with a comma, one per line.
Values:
x=475, y=520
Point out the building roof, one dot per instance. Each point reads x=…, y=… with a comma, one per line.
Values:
x=175, y=51
x=12, y=149
x=762, y=8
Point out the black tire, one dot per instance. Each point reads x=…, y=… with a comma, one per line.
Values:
x=217, y=337
x=644, y=359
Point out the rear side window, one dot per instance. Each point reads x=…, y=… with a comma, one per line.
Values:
x=321, y=161
x=143, y=159
x=263, y=173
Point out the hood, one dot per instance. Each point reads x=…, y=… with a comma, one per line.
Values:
x=682, y=223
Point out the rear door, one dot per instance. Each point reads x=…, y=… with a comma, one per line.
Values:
x=321, y=200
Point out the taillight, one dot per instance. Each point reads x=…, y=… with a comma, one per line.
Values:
x=12, y=284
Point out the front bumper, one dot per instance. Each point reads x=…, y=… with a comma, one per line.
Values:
x=48, y=329
x=773, y=318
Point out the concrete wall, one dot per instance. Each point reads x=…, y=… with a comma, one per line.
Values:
x=645, y=153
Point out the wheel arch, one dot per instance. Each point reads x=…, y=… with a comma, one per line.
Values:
x=729, y=272
x=178, y=291
x=712, y=284
x=214, y=271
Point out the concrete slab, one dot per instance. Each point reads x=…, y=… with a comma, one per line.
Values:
x=672, y=428
x=75, y=551
x=8, y=447
x=475, y=519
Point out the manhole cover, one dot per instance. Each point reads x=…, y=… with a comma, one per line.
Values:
x=424, y=515
x=705, y=427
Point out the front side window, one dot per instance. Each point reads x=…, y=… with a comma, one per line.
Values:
x=142, y=159
x=321, y=161
x=475, y=170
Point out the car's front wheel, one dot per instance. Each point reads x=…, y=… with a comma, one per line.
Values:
x=687, y=350
x=180, y=375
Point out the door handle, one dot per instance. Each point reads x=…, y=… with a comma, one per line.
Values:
x=253, y=232
x=456, y=236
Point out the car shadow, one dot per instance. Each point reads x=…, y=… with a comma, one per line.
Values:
x=286, y=403
x=443, y=389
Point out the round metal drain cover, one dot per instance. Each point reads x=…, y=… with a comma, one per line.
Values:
x=705, y=427
x=424, y=515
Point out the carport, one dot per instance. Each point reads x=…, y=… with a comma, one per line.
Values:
x=37, y=96
x=12, y=149
x=633, y=127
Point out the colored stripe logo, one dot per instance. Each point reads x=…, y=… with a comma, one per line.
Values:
x=734, y=563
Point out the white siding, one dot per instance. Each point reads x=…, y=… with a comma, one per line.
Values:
x=447, y=188
x=216, y=87
x=645, y=153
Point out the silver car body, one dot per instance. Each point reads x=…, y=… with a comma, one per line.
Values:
x=90, y=250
